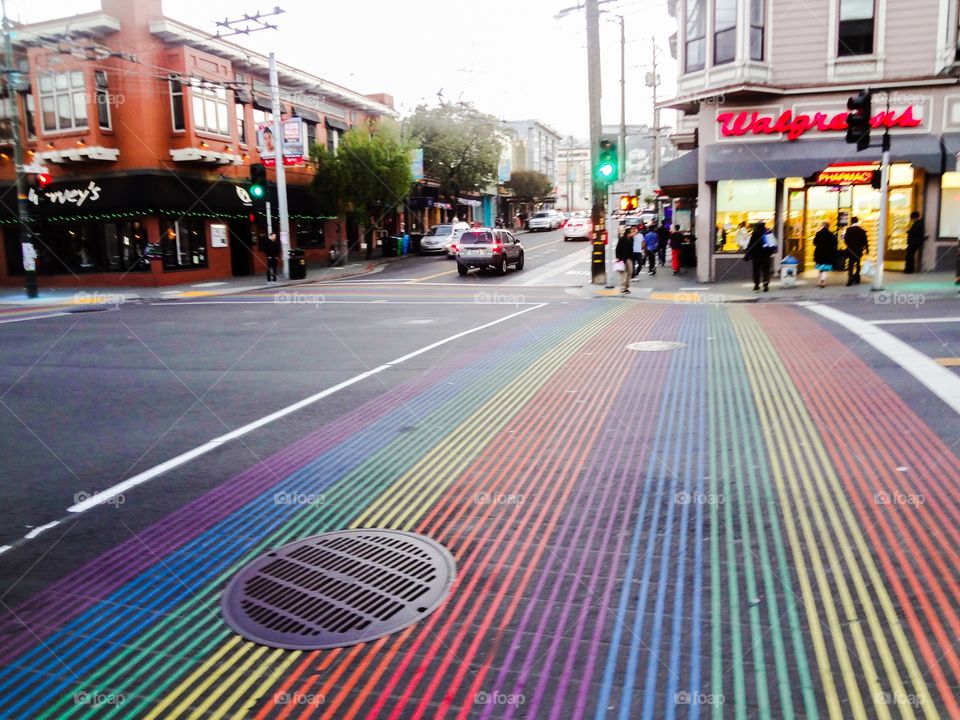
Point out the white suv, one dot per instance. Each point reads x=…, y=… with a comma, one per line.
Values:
x=544, y=220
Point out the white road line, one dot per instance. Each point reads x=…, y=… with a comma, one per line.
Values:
x=939, y=380
x=558, y=267
x=4, y=548
x=37, y=530
x=916, y=321
x=120, y=488
x=305, y=302
x=34, y=317
x=413, y=283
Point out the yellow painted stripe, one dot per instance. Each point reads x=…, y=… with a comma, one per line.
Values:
x=160, y=709
x=806, y=451
x=949, y=362
x=201, y=710
x=280, y=660
x=677, y=297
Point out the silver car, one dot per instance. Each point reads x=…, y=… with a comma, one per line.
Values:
x=488, y=248
x=544, y=220
x=442, y=238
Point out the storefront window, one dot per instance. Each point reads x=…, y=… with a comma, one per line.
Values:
x=80, y=248
x=741, y=204
x=310, y=234
x=184, y=244
x=950, y=205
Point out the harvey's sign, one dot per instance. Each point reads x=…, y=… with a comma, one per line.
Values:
x=753, y=124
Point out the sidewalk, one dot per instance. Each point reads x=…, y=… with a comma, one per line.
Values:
x=63, y=297
x=664, y=286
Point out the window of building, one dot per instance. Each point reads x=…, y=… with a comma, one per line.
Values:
x=184, y=244
x=103, y=99
x=856, y=27
x=741, y=204
x=30, y=112
x=310, y=234
x=311, y=134
x=757, y=25
x=241, y=114
x=950, y=205
x=63, y=101
x=696, y=42
x=725, y=31
x=176, y=104
x=209, y=104
x=78, y=248
x=333, y=139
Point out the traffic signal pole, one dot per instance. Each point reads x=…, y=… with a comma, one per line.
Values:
x=884, y=206
x=281, y=170
x=27, y=246
x=598, y=259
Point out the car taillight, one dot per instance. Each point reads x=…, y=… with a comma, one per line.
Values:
x=454, y=247
x=498, y=248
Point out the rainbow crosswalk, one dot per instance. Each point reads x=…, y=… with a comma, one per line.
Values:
x=725, y=530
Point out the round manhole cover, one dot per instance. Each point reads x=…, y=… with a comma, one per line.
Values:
x=656, y=345
x=338, y=589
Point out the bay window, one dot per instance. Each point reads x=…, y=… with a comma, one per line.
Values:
x=856, y=27
x=725, y=31
x=696, y=40
x=63, y=101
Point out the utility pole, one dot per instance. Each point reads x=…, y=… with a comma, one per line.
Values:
x=653, y=80
x=598, y=264
x=884, y=203
x=27, y=241
x=256, y=22
x=623, y=99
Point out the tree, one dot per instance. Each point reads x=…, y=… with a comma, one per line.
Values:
x=530, y=186
x=461, y=149
x=366, y=177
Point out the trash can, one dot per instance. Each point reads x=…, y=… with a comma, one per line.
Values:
x=415, y=239
x=388, y=246
x=398, y=244
x=405, y=243
x=788, y=271
x=298, y=264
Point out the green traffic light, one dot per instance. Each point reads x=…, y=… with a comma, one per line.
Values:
x=257, y=191
x=606, y=170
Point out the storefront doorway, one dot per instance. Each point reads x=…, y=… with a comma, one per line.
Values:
x=809, y=205
x=241, y=240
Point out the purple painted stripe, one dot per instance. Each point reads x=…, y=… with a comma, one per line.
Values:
x=638, y=409
x=48, y=611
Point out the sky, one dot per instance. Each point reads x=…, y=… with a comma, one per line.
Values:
x=511, y=58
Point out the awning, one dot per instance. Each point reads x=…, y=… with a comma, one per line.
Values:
x=951, y=146
x=681, y=172
x=758, y=160
x=242, y=96
x=468, y=202
x=336, y=123
x=262, y=102
x=306, y=114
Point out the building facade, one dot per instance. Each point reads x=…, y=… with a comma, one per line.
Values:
x=540, y=145
x=148, y=128
x=762, y=94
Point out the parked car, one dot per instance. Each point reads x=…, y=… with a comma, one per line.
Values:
x=578, y=228
x=442, y=238
x=544, y=220
x=488, y=248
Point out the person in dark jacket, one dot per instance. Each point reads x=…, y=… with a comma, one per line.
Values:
x=915, y=239
x=824, y=252
x=759, y=255
x=676, y=248
x=855, y=239
x=650, y=241
x=663, y=239
x=624, y=252
x=272, y=249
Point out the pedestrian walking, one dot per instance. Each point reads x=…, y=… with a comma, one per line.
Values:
x=624, y=255
x=663, y=239
x=676, y=248
x=758, y=253
x=855, y=238
x=915, y=239
x=651, y=241
x=637, y=240
x=824, y=252
x=272, y=250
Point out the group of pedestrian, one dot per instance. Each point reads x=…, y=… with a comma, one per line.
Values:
x=641, y=246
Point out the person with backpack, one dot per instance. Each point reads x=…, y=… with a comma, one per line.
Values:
x=855, y=239
x=676, y=248
x=758, y=253
x=663, y=239
x=651, y=241
x=624, y=255
x=824, y=252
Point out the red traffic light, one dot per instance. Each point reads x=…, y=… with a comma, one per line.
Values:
x=43, y=180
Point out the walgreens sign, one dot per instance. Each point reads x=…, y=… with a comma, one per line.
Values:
x=746, y=122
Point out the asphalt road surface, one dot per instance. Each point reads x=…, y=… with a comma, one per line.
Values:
x=656, y=509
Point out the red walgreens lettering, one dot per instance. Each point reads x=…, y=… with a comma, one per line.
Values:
x=737, y=124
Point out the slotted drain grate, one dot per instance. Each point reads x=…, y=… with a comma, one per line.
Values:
x=338, y=589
